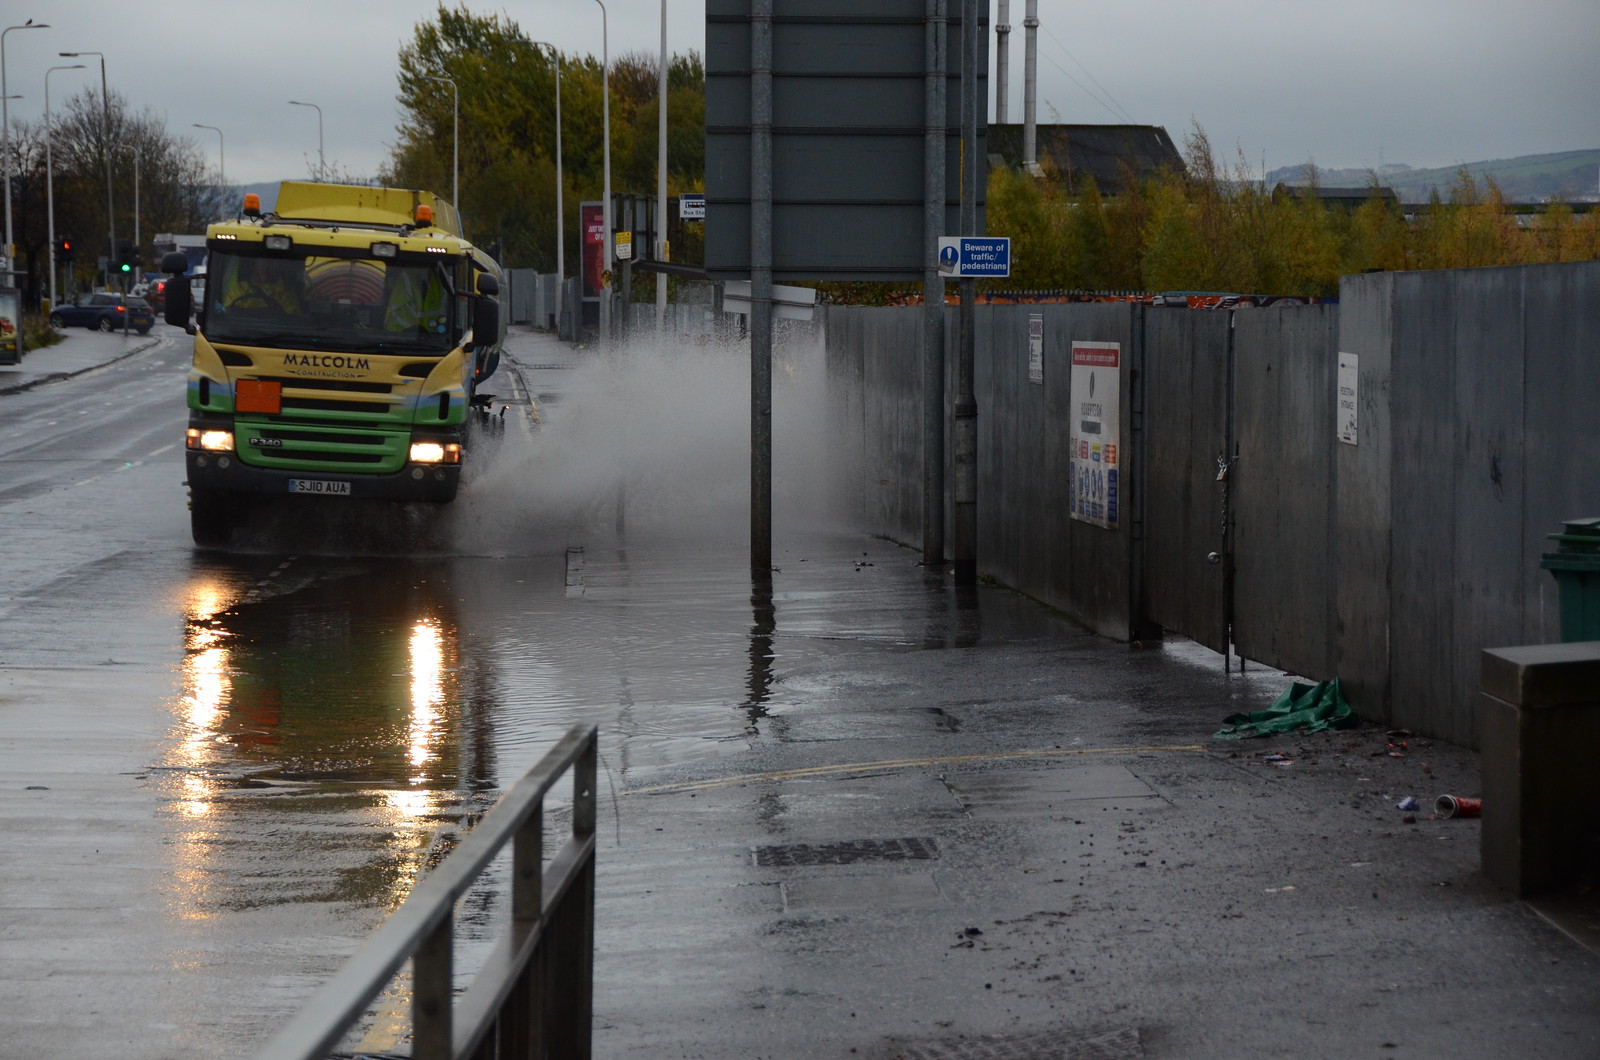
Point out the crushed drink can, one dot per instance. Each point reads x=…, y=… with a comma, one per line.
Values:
x=1457, y=806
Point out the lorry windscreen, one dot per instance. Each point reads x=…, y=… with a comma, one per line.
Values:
x=323, y=301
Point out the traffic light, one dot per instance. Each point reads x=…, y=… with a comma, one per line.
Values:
x=127, y=257
x=64, y=250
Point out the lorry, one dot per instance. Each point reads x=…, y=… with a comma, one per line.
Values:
x=339, y=343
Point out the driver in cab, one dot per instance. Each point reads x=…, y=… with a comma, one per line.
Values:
x=264, y=283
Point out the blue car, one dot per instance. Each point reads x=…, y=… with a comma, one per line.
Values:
x=108, y=312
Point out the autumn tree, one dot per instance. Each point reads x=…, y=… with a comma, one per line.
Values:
x=176, y=192
x=507, y=91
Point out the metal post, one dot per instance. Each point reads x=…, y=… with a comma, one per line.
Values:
x=455, y=142
x=933, y=356
x=432, y=986
x=965, y=454
x=605, y=207
x=111, y=217
x=134, y=151
x=1002, y=64
x=5, y=138
x=49, y=174
x=322, y=165
x=1030, y=88
x=561, y=217
x=222, y=160
x=662, y=248
x=761, y=288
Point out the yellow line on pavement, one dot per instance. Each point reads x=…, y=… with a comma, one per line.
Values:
x=910, y=763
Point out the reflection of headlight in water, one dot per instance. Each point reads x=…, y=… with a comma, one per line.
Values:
x=410, y=803
x=205, y=599
x=207, y=687
x=427, y=688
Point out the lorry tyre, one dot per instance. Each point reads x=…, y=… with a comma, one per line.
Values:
x=212, y=517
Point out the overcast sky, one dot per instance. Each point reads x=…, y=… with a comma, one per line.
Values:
x=1355, y=83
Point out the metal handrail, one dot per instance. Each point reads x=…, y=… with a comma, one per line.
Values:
x=534, y=994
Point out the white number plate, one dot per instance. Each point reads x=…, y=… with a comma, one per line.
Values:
x=330, y=487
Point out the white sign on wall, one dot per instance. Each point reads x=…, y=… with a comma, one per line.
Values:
x=1345, y=414
x=1036, y=348
x=1095, y=437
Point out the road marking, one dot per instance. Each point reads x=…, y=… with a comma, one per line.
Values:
x=911, y=763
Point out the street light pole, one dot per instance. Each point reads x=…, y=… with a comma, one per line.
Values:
x=561, y=217
x=134, y=151
x=111, y=215
x=455, y=142
x=49, y=175
x=222, y=161
x=661, y=247
x=322, y=165
x=5, y=135
x=605, y=207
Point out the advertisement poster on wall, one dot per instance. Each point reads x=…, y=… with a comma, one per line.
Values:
x=10, y=325
x=1096, y=440
x=1036, y=348
x=1349, y=393
x=592, y=217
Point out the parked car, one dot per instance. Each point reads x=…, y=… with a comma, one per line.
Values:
x=155, y=292
x=108, y=312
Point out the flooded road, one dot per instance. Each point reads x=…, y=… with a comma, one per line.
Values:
x=847, y=812
x=226, y=768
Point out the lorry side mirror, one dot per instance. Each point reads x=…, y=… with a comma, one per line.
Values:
x=487, y=284
x=485, y=321
x=175, y=310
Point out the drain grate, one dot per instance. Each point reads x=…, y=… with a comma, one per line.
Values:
x=849, y=852
x=1120, y=1044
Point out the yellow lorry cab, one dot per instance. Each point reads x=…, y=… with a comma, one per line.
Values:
x=339, y=344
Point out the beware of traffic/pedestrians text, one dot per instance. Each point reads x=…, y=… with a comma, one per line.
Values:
x=974, y=256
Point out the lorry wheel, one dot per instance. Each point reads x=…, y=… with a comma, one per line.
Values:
x=212, y=517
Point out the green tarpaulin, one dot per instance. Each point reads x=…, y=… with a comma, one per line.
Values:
x=1302, y=707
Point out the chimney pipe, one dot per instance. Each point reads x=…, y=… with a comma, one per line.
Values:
x=1030, y=89
x=1002, y=65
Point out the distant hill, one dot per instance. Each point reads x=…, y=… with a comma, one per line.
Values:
x=1570, y=175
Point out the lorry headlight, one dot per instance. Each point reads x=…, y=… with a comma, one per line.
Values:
x=435, y=453
x=212, y=441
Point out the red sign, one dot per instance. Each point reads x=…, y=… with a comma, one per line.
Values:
x=258, y=395
x=593, y=219
x=1096, y=356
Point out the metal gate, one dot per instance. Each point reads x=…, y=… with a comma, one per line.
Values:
x=1239, y=472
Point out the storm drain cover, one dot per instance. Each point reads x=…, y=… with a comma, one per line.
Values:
x=1120, y=1044
x=848, y=852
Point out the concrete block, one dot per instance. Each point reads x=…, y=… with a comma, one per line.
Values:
x=1539, y=728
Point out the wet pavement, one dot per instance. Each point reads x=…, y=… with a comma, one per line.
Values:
x=853, y=813
x=81, y=350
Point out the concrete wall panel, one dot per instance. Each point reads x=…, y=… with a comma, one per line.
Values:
x=1561, y=432
x=1489, y=475
x=1186, y=374
x=1282, y=486
x=1362, y=500
x=1478, y=425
